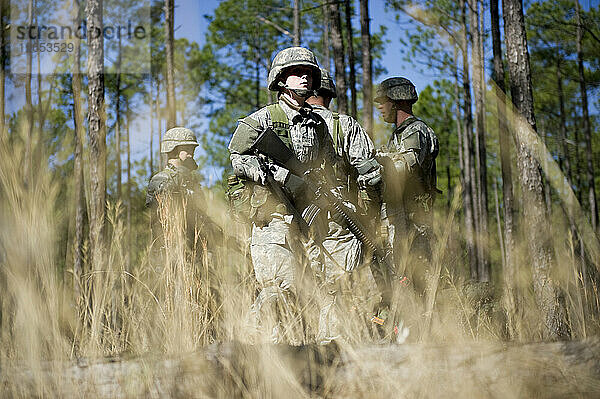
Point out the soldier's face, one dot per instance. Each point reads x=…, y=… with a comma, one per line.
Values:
x=186, y=156
x=387, y=109
x=186, y=152
x=298, y=77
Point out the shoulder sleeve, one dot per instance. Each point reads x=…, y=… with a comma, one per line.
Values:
x=418, y=145
x=247, y=131
x=159, y=183
x=358, y=146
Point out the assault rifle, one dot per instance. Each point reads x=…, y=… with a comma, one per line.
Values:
x=269, y=145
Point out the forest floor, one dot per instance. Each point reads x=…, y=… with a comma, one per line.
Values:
x=474, y=369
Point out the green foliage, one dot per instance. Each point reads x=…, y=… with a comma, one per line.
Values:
x=436, y=107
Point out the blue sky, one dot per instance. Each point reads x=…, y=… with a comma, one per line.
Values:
x=190, y=23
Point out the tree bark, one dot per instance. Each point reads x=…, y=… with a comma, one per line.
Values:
x=506, y=170
x=158, y=123
x=338, y=56
x=483, y=265
x=564, y=161
x=547, y=294
x=169, y=49
x=587, y=129
x=96, y=130
x=28, y=99
x=297, y=31
x=351, y=63
x=469, y=174
x=118, y=120
x=78, y=165
x=3, y=57
x=367, y=67
x=128, y=192
x=151, y=155
x=499, y=224
x=326, y=41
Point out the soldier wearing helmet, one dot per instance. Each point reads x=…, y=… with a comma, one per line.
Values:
x=410, y=170
x=176, y=187
x=277, y=251
x=178, y=144
x=359, y=179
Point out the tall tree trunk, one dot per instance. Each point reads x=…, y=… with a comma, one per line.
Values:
x=338, y=56
x=297, y=31
x=367, y=67
x=483, y=272
x=499, y=224
x=506, y=170
x=128, y=192
x=257, y=84
x=448, y=185
x=578, y=166
x=547, y=294
x=28, y=99
x=158, y=123
x=547, y=193
x=564, y=160
x=326, y=41
x=151, y=155
x=118, y=120
x=4, y=15
x=351, y=62
x=78, y=164
x=169, y=49
x=587, y=129
x=96, y=130
x=469, y=175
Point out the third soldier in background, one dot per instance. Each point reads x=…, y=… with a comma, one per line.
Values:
x=358, y=178
x=410, y=178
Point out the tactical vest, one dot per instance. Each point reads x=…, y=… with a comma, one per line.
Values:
x=252, y=201
x=338, y=134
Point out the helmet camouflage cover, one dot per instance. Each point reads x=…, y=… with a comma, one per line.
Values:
x=177, y=136
x=327, y=84
x=396, y=89
x=289, y=57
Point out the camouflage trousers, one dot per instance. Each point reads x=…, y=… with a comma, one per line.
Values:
x=347, y=288
x=283, y=264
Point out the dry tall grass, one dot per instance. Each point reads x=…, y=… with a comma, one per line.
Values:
x=177, y=300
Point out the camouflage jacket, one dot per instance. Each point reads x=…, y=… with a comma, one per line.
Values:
x=176, y=188
x=413, y=148
x=353, y=145
x=309, y=146
x=172, y=181
x=357, y=153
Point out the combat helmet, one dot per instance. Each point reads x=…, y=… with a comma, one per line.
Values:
x=289, y=57
x=396, y=89
x=327, y=84
x=177, y=136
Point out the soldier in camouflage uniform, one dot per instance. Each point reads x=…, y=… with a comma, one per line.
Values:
x=278, y=251
x=177, y=189
x=359, y=180
x=410, y=172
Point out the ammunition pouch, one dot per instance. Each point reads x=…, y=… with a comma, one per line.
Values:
x=294, y=185
x=244, y=135
x=263, y=204
x=239, y=191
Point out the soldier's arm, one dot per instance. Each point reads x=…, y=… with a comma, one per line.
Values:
x=158, y=185
x=413, y=149
x=248, y=165
x=360, y=153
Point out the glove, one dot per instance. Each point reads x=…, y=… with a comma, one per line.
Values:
x=294, y=185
